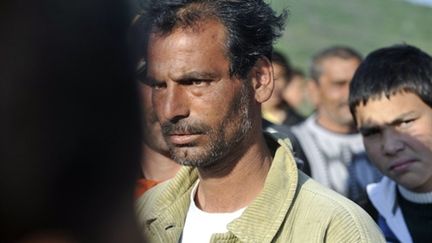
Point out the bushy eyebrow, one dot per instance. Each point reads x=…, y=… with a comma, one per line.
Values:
x=340, y=81
x=369, y=129
x=197, y=75
x=149, y=81
x=374, y=128
x=399, y=119
x=183, y=78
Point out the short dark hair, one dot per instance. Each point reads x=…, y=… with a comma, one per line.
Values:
x=389, y=70
x=340, y=51
x=251, y=26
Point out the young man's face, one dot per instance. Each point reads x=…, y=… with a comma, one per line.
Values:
x=204, y=112
x=397, y=134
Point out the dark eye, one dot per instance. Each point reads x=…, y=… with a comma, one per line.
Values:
x=195, y=82
x=406, y=123
x=158, y=85
x=340, y=84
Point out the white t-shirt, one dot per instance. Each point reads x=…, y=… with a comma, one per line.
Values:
x=200, y=225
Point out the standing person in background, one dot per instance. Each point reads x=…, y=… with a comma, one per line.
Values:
x=279, y=115
x=332, y=145
x=391, y=101
x=276, y=110
x=156, y=163
x=209, y=65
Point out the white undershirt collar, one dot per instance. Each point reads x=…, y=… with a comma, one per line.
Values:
x=416, y=197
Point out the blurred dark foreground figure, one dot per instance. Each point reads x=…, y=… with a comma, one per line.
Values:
x=70, y=122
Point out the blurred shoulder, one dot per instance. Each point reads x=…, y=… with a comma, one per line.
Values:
x=343, y=220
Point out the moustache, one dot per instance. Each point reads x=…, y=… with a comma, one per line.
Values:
x=169, y=128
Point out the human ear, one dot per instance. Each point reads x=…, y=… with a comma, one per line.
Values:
x=262, y=79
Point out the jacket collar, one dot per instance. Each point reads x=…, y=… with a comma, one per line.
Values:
x=166, y=218
x=383, y=197
x=270, y=206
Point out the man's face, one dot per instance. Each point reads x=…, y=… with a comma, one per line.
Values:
x=333, y=90
x=203, y=111
x=152, y=129
x=397, y=136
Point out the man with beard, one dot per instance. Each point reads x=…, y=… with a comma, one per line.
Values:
x=209, y=65
x=332, y=145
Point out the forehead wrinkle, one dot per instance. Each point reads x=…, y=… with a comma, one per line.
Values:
x=175, y=51
x=218, y=37
x=177, y=62
x=363, y=114
x=371, y=114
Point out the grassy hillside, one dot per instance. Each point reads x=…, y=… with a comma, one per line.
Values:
x=362, y=24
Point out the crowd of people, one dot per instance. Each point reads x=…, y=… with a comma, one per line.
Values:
x=206, y=140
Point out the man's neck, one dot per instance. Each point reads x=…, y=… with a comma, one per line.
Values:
x=157, y=166
x=237, y=188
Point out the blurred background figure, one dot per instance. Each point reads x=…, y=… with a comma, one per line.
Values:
x=70, y=122
x=296, y=94
x=278, y=115
x=335, y=151
x=276, y=110
x=156, y=163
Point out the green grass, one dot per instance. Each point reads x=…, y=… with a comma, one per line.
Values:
x=362, y=24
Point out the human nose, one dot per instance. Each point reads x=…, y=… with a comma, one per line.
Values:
x=172, y=104
x=391, y=143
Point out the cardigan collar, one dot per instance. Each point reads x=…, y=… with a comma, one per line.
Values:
x=270, y=206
